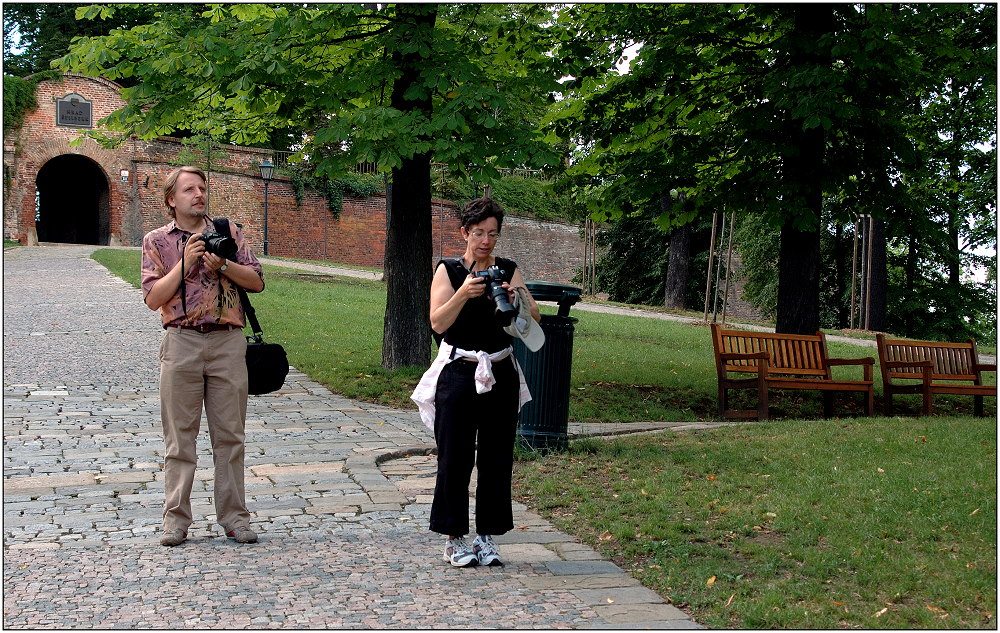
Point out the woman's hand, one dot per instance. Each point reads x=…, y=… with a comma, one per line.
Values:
x=472, y=287
x=511, y=294
x=518, y=280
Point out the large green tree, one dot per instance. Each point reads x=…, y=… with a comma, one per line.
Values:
x=758, y=109
x=934, y=200
x=948, y=224
x=36, y=33
x=395, y=85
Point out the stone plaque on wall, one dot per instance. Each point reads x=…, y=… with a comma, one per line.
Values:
x=73, y=111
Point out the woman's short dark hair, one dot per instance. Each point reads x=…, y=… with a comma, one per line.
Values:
x=479, y=209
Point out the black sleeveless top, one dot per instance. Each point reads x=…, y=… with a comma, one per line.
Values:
x=476, y=328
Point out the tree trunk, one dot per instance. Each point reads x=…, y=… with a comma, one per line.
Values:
x=678, y=268
x=879, y=279
x=840, y=258
x=798, y=267
x=678, y=261
x=798, y=281
x=910, y=274
x=406, y=336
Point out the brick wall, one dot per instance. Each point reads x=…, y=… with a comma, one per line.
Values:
x=545, y=251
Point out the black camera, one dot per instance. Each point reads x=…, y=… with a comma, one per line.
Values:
x=218, y=244
x=494, y=277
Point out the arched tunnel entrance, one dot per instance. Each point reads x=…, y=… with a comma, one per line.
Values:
x=72, y=203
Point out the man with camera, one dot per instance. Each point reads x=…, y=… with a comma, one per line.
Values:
x=190, y=274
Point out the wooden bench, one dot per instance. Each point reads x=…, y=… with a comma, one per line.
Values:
x=940, y=368
x=782, y=361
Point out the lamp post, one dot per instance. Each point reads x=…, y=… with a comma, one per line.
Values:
x=266, y=171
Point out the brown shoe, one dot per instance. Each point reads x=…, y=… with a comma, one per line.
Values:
x=173, y=537
x=242, y=535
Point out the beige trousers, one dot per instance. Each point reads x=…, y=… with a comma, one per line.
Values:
x=203, y=370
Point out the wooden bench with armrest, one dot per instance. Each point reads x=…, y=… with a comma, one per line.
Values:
x=940, y=368
x=782, y=361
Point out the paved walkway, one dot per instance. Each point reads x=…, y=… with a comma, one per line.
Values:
x=339, y=491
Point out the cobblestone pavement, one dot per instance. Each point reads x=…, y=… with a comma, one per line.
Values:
x=339, y=492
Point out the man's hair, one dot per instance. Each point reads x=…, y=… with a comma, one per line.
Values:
x=171, y=183
x=479, y=209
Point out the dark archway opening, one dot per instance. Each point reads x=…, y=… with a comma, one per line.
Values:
x=73, y=203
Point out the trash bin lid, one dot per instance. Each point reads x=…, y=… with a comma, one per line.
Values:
x=563, y=294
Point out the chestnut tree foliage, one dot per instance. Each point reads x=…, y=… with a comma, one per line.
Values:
x=800, y=117
x=397, y=85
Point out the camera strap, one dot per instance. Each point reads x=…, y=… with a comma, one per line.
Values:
x=222, y=227
x=184, y=306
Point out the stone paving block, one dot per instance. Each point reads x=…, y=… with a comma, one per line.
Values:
x=413, y=484
x=647, y=625
x=333, y=510
x=49, y=481
x=31, y=546
x=595, y=581
x=533, y=536
x=623, y=614
x=125, y=477
x=388, y=496
x=298, y=470
x=618, y=596
x=583, y=567
x=527, y=553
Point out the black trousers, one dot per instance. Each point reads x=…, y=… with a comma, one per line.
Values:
x=474, y=429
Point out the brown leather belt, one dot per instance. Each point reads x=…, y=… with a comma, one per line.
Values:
x=203, y=328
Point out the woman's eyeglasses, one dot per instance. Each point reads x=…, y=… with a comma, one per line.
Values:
x=478, y=235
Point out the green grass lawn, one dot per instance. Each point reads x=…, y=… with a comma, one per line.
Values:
x=798, y=522
x=885, y=523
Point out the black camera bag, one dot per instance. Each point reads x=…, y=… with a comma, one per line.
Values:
x=267, y=363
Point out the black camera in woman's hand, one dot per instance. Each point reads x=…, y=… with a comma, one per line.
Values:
x=494, y=277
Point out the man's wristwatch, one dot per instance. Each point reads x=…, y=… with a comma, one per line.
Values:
x=223, y=267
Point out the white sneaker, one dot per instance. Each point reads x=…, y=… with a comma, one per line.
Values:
x=459, y=554
x=486, y=550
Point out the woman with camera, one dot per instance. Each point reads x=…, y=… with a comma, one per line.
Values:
x=473, y=392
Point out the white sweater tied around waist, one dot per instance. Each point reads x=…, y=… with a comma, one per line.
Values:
x=426, y=389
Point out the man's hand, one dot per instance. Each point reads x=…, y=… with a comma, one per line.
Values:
x=213, y=261
x=193, y=251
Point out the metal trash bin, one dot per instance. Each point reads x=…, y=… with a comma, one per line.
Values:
x=544, y=421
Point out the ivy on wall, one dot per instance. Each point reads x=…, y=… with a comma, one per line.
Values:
x=19, y=97
x=520, y=196
x=334, y=189
x=18, y=101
